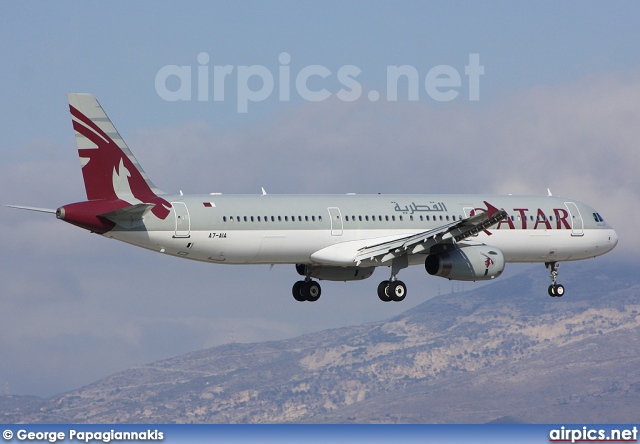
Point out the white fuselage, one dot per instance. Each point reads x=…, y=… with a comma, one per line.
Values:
x=328, y=229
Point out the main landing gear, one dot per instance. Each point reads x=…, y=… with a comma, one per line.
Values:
x=306, y=290
x=555, y=290
x=394, y=291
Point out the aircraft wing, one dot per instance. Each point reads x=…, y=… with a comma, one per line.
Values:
x=456, y=231
x=386, y=250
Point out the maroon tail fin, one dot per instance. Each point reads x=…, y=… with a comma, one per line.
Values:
x=109, y=168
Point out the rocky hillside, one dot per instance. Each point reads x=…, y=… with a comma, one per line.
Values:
x=503, y=352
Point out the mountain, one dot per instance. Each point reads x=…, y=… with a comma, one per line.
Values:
x=505, y=352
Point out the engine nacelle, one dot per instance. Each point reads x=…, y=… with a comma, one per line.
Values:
x=469, y=263
x=330, y=273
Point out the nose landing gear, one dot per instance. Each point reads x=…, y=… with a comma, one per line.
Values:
x=555, y=290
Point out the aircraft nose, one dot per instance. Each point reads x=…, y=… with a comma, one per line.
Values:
x=613, y=238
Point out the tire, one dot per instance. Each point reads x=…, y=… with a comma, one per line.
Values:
x=382, y=291
x=559, y=291
x=297, y=291
x=397, y=291
x=312, y=291
x=552, y=291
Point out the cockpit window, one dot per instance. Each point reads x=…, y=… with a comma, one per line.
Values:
x=597, y=217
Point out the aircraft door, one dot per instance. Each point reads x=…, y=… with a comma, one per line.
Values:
x=577, y=224
x=336, y=221
x=183, y=222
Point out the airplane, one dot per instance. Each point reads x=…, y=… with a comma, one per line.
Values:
x=465, y=237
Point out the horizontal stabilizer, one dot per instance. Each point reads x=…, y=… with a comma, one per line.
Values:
x=128, y=217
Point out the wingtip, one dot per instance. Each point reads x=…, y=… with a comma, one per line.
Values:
x=491, y=210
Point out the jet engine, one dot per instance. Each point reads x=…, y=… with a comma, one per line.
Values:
x=467, y=263
x=330, y=273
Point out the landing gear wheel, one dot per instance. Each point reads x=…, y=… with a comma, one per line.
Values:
x=311, y=290
x=382, y=291
x=397, y=291
x=556, y=291
x=297, y=291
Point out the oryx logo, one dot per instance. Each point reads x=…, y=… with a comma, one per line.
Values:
x=108, y=172
x=488, y=262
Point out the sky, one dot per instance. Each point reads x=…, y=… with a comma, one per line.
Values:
x=295, y=97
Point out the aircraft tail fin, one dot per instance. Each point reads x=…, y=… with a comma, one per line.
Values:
x=109, y=168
